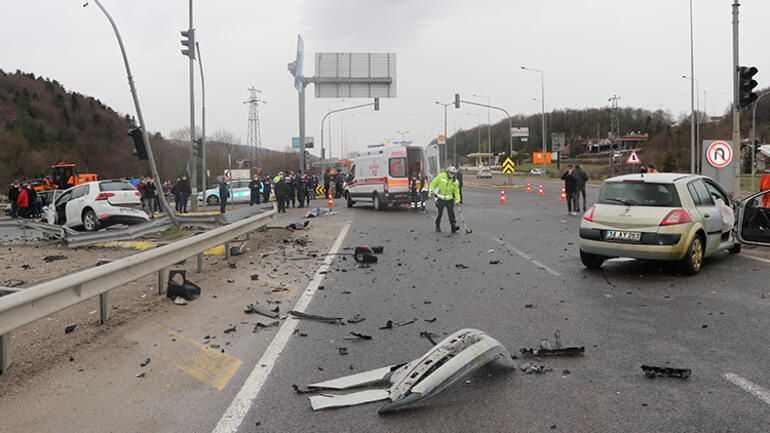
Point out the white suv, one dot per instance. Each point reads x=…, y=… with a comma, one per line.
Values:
x=97, y=204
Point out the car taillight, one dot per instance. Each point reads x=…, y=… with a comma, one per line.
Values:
x=589, y=215
x=137, y=194
x=104, y=195
x=676, y=216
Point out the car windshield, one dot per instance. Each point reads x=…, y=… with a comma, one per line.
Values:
x=116, y=186
x=639, y=194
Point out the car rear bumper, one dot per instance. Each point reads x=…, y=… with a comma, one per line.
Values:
x=123, y=219
x=653, y=246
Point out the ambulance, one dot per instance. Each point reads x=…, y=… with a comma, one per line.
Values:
x=381, y=175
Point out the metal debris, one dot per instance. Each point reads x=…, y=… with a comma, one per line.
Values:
x=430, y=336
x=388, y=325
x=461, y=266
x=260, y=325
x=529, y=368
x=494, y=262
x=358, y=336
x=298, y=226
x=145, y=363
x=324, y=319
x=254, y=277
x=185, y=289
x=564, y=351
x=13, y=283
x=406, y=322
x=651, y=372
x=356, y=317
x=431, y=320
x=230, y=329
x=342, y=350
x=259, y=309
x=70, y=328
x=53, y=258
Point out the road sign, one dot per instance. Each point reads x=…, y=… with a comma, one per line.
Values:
x=540, y=157
x=633, y=158
x=295, y=142
x=520, y=132
x=355, y=75
x=320, y=190
x=719, y=154
x=441, y=139
x=557, y=141
x=508, y=165
x=299, y=73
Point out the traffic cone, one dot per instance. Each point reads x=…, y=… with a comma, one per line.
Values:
x=502, y=196
x=540, y=190
x=563, y=194
x=529, y=187
x=331, y=201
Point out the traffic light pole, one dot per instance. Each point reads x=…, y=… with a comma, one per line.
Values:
x=204, y=173
x=508, y=116
x=323, y=120
x=736, y=112
x=145, y=138
x=193, y=159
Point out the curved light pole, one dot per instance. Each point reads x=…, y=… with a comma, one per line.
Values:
x=695, y=119
x=542, y=100
x=489, y=122
x=145, y=138
x=323, y=119
x=478, y=129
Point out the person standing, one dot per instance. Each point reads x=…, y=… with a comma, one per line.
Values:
x=35, y=202
x=338, y=181
x=266, y=186
x=22, y=202
x=13, y=197
x=255, y=187
x=185, y=191
x=308, y=190
x=281, y=189
x=224, y=194
x=301, y=186
x=570, y=184
x=152, y=195
x=460, y=181
x=177, y=195
x=327, y=181
x=581, y=177
x=292, y=180
x=446, y=188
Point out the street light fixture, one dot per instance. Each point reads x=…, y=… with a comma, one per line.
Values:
x=542, y=101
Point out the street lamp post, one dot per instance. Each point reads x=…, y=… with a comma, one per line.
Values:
x=695, y=120
x=445, y=137
x=145, y=138
x=542, y=106
x=489, y=122
x=478, y=129
x=204, y=174
x=323, y=119
x=753, y=138
x=692, y=100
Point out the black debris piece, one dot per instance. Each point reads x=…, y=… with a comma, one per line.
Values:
x=299, y=332
x=652, y=372
x=233, y=265
x=258, y=309
x=324, y=319
x=347, y=292
x=565, y=372
x=364, y=254
x=388, y=325
x=230, y=329
x=356, y=319
x=378, y=249
x=430, y=336
x=530, y=306
x=254, y=277
x=301, y=242
x=406, y=322
x=358, y=336
x=461, y=266
x=563, y=351
x=529, y=368
x=185, y=289
x=145, y=363
x=299, y=390
x=431, y=320
x=260, y=325
x=70, y=328
x=53, y=258
x=342, y=350
x=299, y=226
x=494, y=262
x=230, y=280
x=235, y=251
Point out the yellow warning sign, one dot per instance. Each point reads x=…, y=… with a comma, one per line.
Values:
x=508, y=165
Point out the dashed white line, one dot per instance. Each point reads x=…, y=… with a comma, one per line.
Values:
x=526, y=256
x=241, y=404
x=748, y=386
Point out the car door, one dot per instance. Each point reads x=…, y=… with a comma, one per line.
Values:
x=712, y=217
x=75, y=206
x=57, y=213
x=753, y=221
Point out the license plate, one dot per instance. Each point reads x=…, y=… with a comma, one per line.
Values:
x=615, y=235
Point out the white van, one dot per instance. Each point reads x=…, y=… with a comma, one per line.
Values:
x=381, y=175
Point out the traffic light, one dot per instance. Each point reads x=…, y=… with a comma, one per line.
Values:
x=376, y=104
x=198, y=148
x=139, y=150
x=457, y=100
x=746, y=85
x=189, y=42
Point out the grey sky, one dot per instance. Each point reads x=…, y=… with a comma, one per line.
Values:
x=590, y=49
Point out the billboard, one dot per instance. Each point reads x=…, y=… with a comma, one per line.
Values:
x=355, y=75
x=295, y=142
x=520, y=132
x=557, y=141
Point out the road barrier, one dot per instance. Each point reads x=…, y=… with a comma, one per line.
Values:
x=34, y=303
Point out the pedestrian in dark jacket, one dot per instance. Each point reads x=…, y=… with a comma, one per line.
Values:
x=177, y=195
x=267, y=186
x=281, y=191
x=35, y=202
x=185, y=191
x=338, y=181
x=581, y=177
x=327, y=181
x=255, y=188
x=292, y=179
x=570, y=187
x=13, y=197
x=301, y=187
x=149, y=196
x=224, y=194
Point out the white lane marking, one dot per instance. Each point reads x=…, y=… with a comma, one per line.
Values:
x=526, y=256
x=759, y=259
x=232, y=418
x=748, y=386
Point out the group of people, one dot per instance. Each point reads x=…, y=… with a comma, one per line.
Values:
x=181, y=192
x=25, y=201
x=291, y=189
x=337, y=179
x=149, y=194
x=575, y=179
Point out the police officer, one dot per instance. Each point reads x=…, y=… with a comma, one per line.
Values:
x=281, y=189
x=255, y=187
x=446, y=189
x=301, y=187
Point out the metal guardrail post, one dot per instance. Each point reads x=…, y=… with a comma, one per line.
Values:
x=162, y=278
x=104, y=307
x=5, y=352
x=228, y=244
x=200, y=263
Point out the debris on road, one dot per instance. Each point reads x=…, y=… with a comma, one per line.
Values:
x=564, y=351
x=230, y=329
x=254, y=277
x=364, y=254
x=430, y=336
x=13, y=283
x=530, y=306
x=431, y=320
x=342, y=350
x=449, y=361
x=299, y=332
x=298, y=226
x=186, y=289
x=70, y=328
x=651, y=372
x=145, y=363
x=324, y=319
x=461, y=266
x=140, y=375
x=260, y=325
x=494, y=262
x=388, y=325
x=356, y=318
x=406, y=322
x=259, y=309
x=180, y=301
x=54, y=257
x=530, y=368
x=357, y=336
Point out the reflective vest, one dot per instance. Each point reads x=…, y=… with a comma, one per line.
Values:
x=446, y=188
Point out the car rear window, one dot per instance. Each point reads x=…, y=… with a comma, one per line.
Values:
x=639, y=194
x=116, y=186
x=397, y=167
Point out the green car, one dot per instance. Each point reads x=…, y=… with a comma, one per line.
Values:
x=664, y=216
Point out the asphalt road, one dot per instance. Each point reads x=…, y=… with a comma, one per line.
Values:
x=628, y=314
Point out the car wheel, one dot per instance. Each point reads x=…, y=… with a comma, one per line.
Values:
x=350, y=201
x=212, y=200
x=591, y=261
x=692, y=262
x=377, y=202
x=90, y=221
x=735, y=249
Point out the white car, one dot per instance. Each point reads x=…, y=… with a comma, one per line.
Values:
x=484, y=173
x=537, y=172
x=97, y=204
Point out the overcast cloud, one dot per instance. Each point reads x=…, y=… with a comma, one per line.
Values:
x=590, y=50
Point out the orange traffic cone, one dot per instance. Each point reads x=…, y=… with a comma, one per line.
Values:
x=563, y=194
x=502, y=196
x=540, y=190
x=529, y=187
x=331, y=201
